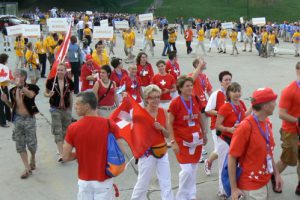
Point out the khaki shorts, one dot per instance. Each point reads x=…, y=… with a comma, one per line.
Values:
x=290, y=150
x=24, y=133
x=61, y=119
x=260, y=194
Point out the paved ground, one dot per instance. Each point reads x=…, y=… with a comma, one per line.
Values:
x=56, y=181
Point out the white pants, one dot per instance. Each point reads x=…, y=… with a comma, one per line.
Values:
x=95, y=190
x=187, y=182
x=223, y=149
x=222, y=43
x=213, y=41
x=200, y=44
x=150, y=44
x=296, y=45
x=215, y=140
x=146, y=167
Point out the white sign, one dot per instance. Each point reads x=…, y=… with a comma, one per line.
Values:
x=146, y=17
x=14, y=30
x=58, y=24
x=261, y=21
x=31, y=30
x=104, y=23
x=121, y=24
x=227, y=25
x=100, y=32
x=89, y=12
x=242, y=20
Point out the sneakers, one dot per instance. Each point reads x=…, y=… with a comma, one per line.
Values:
x=297, y=192
x=207, y=167
x=222, y=197
x=201, y=160
x=204, y=152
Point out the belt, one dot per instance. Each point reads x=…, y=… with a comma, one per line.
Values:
x=107, y=108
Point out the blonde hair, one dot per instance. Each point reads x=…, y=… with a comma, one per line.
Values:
x=149, y=89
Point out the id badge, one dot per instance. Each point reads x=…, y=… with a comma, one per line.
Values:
x=270, y=164
x=134, y=97
x=76, y=55
x=145, y=73
x=91, y=82
x=191, y=123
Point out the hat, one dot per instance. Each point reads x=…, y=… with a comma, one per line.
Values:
x=263, y=95
x=88, y=57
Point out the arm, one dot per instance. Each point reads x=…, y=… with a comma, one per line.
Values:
x=235, y=192
x=203, y=129
x=29, y=93
x=5, y=100
x=115, y=95
x=278, y=179
x=48, y=93
x=286, y=117
x=220, y=127
x=96, y=88
x=171, y=119
x=68, y=155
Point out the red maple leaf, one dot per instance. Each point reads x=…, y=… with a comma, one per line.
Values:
x=3, y=73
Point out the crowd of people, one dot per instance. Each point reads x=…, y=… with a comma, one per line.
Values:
x=180, y=106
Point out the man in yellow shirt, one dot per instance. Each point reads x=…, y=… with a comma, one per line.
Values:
x=19, y=47
x=149, y=39
x=271, y=43
x=100, y=56
x=264, y=43
x=129, y=42
x=222, y=41
x=201, y=35
x=173, y=38
x=32, y=64
x=233, y=36
x=296, y=40
x=214, y=38
x=52, y=42
x=248, y=38
x=41, y=49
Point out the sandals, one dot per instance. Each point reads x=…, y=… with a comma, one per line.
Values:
x=26, y=174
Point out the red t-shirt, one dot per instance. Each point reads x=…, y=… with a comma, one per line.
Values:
x=117, y=78
x=87, y=71
x=184, y=132
x=133, y=87
x=173, y=69
x=231, y=116
x=159, y=137
x=201, y=86
x=188, y=35
x=215, y=101
x=250, y=147
x=290, y=100
x=145, y=73
x=89, y=137
x=164, y=82
x=108, y=98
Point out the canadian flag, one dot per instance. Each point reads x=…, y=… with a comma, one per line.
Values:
x=61, y=54
x=136, y=126
x=5, y=73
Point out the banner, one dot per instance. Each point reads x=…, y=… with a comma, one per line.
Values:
x=14, y=30
x=242, y=20
x=227, y=25
x=146, y=17
x=104, y=23
x=31, y=30
x=121, y=24
x=100, y=32
x=260, y=21
x=58, y=24
x=89, y=12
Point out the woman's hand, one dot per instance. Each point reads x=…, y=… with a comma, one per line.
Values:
x=158, y=126
x=175, y=147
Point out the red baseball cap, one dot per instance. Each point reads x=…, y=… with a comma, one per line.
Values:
x=263, y=95
x=88, y=57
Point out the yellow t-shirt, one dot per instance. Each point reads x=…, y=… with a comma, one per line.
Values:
x=104, y=59
x=87, y=31
x=129, y=39
x=201, y=35
x=249, y=31
x=264, y=37
x=149, y=33
x=296, y=37
x=51, y=44
x=86, y=19
x=223, y=33
x=19, y=46
x=32, y=58
x=173, y=37
x=214, y=32
x=233, y=36
x=271, y=39
x=41, y=47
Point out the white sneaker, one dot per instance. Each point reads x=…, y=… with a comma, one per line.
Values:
x=204, y=152
x=207, y=168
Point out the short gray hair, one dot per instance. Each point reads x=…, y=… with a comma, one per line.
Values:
x=22, y=72
x=149, y=89
x=88, y=97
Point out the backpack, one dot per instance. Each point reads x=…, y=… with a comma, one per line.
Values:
x=115, y=158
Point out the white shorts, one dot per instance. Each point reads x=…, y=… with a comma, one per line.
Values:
x=95, y=190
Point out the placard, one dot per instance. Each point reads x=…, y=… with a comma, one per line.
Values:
x=104, y=23
x=57, y=24
x=89, y=12
x=121, y=24
x=31, y=30
x=242, y=20
x=227, y=25
x=146, y=17
x=260, y=21
x=14, y=30
x=100, y=32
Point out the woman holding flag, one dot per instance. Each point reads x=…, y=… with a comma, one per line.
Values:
x=156, y=157
x=187, y=136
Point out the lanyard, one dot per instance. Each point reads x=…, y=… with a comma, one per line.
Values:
x=202, y=83
x=190, y=110
x=238, y=113
x=119, y=75
x=265, y=134
x=298, y=83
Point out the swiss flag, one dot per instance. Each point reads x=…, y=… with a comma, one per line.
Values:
x=61, y=54
x=136, y=126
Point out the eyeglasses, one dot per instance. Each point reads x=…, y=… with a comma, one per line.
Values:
x=154, y=97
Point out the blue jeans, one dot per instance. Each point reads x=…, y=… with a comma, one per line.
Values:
x=166, y=47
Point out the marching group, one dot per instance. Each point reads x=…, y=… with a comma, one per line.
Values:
x=180, y=106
